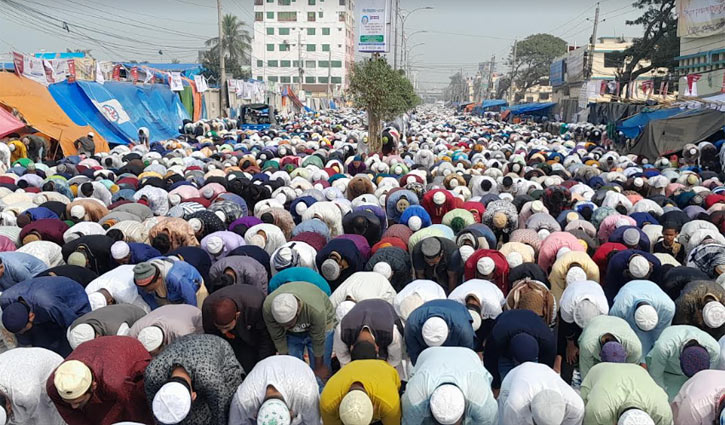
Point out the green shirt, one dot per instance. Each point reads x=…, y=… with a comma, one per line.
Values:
x=316, y=316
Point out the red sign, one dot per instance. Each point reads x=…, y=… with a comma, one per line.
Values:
x=691, y=79
x=134, y=74
x=71, y=71
x=116, y=73
x=18, y=63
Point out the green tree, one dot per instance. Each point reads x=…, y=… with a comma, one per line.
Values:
x=659, y=44
x=534, y=56
x=384, y=93
x=455, y=92
x=237, y=49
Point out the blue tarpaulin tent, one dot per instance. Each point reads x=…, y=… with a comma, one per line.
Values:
x=531, y=108
x=633, y=126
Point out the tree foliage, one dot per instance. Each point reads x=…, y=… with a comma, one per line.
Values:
x=237, y=50
x=455, y=92
x=534, y=56
x=383, y=92
x=659, y=44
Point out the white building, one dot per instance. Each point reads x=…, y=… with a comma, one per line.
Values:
x=311, y=39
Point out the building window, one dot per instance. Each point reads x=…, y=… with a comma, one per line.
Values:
x=284, y=80
x=310, y=64
x=284, y=31
x=611, y=60
x=322, y=80
x=311, y=48
x=259, y=78
x=336, y=80
x=341, y=17
x=310, y=31
x=287, y=16
x=284, y=47
x=325, y=47
x=310, y=80
x=336, y=64
x=270, y=47
x=273, y=79
x=311, y=2
x=320, y=15
x=296, y=80
x=258, y=16
x=295, y=64
x=324, y=64
x=260, y=63
x=325, y=31
x=284, y=2
x=285, y=64
x=270, y=31
x=270, y=1
x=258, y=2
x=270, y=15
x=311, y=16
x=272, y=64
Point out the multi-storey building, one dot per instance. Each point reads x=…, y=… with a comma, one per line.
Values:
x=308, y=44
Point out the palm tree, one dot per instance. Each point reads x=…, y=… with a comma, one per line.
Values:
x=237, y=41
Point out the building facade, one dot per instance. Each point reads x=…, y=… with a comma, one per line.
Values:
x=308, y=44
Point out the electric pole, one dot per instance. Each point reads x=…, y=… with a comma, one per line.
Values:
x=329, y=74
x=592, y=42
x=396, y=16
x=222, y=70
x=299, y=61
x=490, y=76
x=513, y=68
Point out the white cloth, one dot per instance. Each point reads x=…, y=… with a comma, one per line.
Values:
x=83, y=228
x=119, y=283
x=488, y=294
x=292, y=377
x=426, y=289
x=578, y=291
x=48, y=252
x=521, y=385
x=23, y=374
x=363, y=286
x=696, y=403
x=395, y=349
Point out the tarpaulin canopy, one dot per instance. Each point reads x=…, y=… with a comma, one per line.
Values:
x=488, y=104
x=531, y=108
x=633, y=126
x=79, y=107
x=37, y=106
x=8, y=123
x=672, y=134
x=609, y=112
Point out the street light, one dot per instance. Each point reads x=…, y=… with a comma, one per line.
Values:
x=406, y=56
x=404, y=53
x=404, y=18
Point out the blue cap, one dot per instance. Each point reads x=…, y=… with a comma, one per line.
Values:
x=15, y=316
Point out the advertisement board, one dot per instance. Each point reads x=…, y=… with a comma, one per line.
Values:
x=700, y=18
x=556, y=73
x=373, y=26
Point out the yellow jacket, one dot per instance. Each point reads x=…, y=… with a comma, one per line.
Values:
x=557, y=277
x=20, y=150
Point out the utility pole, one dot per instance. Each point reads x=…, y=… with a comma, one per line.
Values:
x=513, y=68
x=329, y=74
x=299, y=61
x=592, y=41
x=223, y=84
x=396, y=16
x=490, y=76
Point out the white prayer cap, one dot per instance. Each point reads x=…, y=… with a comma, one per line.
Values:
x=439, y=198
x=409, y=304
x=435, y=332
x=214, y=245
x=485, y=266
x=284, y=308
x=638, y=266
x=584, y=312
x=80, y=334
x=72, y=379
x=330, y=269
x=172, y=403
x=273, y=412
x=3, y=415
x=151, y=337
x=575, y=274
x=645, y=317
x=476, y=317
x=77, y=259
x=543, y=234
x=78, y=212
x=195, y=224
x=563, y=250
x=548, y=408
x=713, y=314
x=415, y=223
x=97, y=300
x=120, y=250
x=537, y=206
x=514, y=259
x=90, y=134
x=447, y=404
x=174, y=199
x=356, y=408
x=257, y=240
x=384, y=269
x=631, y=237
x=343, y=308
x=635, y=417
x=466, y=251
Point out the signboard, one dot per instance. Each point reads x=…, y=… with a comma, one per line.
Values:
x=373, y=26
x=700, y=18
x=175, y=83
x=556, y=73
x=575, y=65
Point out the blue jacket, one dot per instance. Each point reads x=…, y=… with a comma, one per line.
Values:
x=509, y=324
x=182, y=281
x=299, y=274
x=618, y=268
x=141, y=252
x=39, y=213
x=19, y=266
x=56, y=302
x=195, y=256
x=457, y=317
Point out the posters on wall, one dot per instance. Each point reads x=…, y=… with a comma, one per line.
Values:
x=700, y=18
x=373, y=26
x=200, y=82
x=575, y=65
x=175, y=83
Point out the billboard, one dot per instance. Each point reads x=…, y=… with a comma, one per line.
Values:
x=700, y=18
x=373, y=26
x=575, y=65
x=556, y=73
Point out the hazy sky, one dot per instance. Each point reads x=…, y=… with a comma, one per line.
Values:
x=460, y=33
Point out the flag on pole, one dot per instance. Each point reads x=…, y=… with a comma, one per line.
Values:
x=691, y=86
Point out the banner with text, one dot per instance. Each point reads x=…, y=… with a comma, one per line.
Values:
x=700, y=18
x=374, y=23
